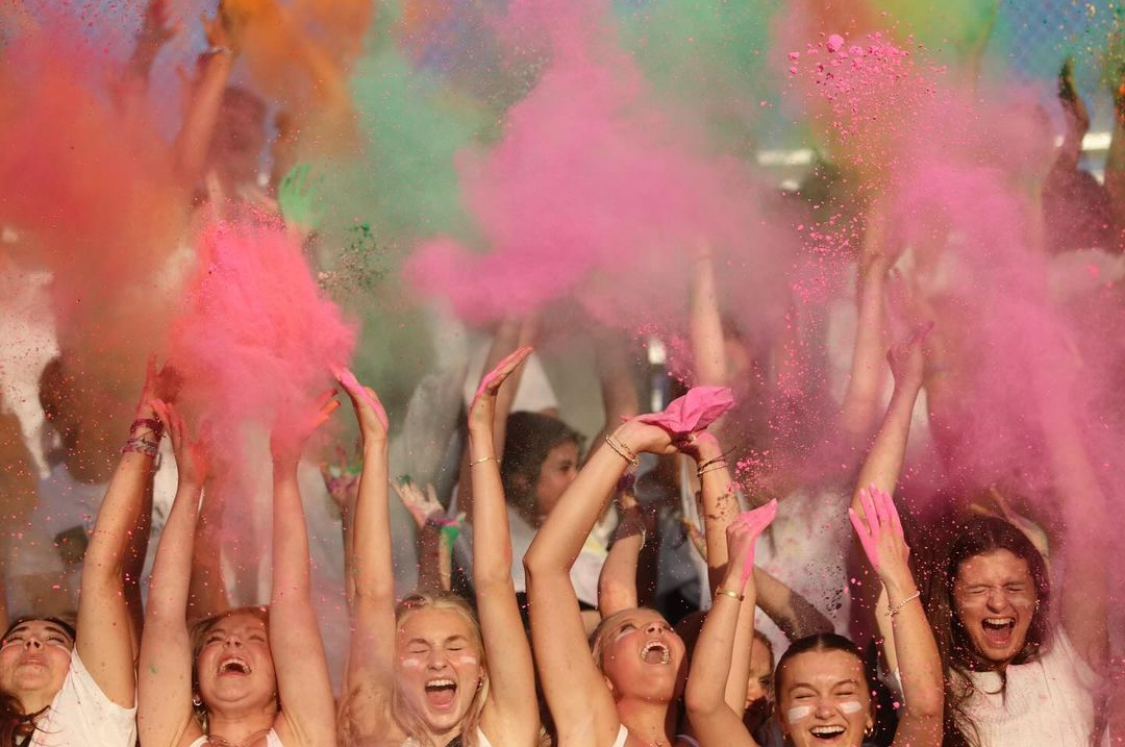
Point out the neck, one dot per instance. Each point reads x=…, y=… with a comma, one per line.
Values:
x=35, y=701
x=443, y=738
x=241, y=729
x=651, y=722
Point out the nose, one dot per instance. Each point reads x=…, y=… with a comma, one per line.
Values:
x=33, y=643
x=997, y=599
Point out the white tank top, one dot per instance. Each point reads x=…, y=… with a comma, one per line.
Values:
x=272, y=740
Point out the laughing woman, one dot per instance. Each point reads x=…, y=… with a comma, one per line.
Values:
x=76, y=688
x=625, y=691
x=421, y=674
x=250, y=677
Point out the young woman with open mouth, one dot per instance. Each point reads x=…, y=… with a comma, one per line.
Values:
x=249, y=677
x=420, y=675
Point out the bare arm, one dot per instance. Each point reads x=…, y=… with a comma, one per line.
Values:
x=713, y=719
x=617, y=583
x=1085, y=603
x=791, y=612
x=108, y=626
x=194, y=138
x=164, y=713
x=575, y=690
x=510, y=716
x=304, y=687
x=208, y=592
x=908, y=629
x=371, y=657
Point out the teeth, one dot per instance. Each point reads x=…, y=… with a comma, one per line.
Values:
x=441, y=683
x=656, y=645
x=999, y=622
x=827, y=731
x=238, y=664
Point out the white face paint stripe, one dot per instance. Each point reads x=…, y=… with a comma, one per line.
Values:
x=798, y=713
x=851, y=706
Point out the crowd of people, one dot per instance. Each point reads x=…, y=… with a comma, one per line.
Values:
x=695, y=576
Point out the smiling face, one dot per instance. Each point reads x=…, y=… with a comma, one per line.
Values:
x=234, y=667
x=823, y=699
x=559, y=470
x=641, y=656
x=34, y=659
x=995, y=598
x=438, y=667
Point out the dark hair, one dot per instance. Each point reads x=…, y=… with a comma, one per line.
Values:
x=821, y=642
x=14, y=723
x=978, y=536
x=530, y=438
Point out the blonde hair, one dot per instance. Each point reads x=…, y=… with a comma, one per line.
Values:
x=410, y=722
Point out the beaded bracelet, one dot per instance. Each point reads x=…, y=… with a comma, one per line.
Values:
x=141, y=446
x=903, y=603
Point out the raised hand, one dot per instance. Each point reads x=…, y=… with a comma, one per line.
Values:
x=369, y=411
x=342, y=479
x=742, y=535
x=193, y=459
x=908, y=359
x=483, y=409
x=422, y=505
x=156, y=28
x=161, y=383
x=880, y=534
x=291, y=431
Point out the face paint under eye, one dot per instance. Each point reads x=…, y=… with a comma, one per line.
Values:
x=798, y=713
x=468, y=659
x=851, y=706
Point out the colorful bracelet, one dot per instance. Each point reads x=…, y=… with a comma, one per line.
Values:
x=152, y=424
x=141, y=446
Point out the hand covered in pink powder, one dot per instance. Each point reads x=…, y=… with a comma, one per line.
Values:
x=742, y=535
x=908, y=360
x=423, y=505
x=193, y=459
x=161, y=383
x=292, y=431
x=483, y=409
x=369, y=411
x=694, y=411
x=880, y=534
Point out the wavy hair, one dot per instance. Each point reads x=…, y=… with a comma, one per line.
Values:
x=198, y=633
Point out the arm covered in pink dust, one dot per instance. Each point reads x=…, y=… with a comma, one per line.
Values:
x=510, y=716
x=581, y=705
x=1084, y=593
x=303, y=684
x=370, y=677
x=908, y=637
x=164, y=683
x=722, y=654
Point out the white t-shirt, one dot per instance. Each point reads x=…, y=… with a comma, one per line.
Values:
x=82, y=716
x=1046, y=702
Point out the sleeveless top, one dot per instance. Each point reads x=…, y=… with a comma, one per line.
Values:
x=272, y=740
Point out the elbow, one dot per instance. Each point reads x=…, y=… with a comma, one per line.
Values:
x=700, y=703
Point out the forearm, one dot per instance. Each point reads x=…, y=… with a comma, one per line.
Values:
x=711, y=661
x=194, y=138
x=374, y=566
x=492, y=543
x=119, y=520
x=862, y=395
x=792, y=613
x=291, y=575
x=432, y=577
x=916, y=653
x=720, y=506
x=738, y=679
x=884, y=462
x=708, y=348
x=617, y=583
x=171, y=573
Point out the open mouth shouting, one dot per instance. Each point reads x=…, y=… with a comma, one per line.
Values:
x=440, y=693
x=234, y=666
x=998, y=630
x=656, y=652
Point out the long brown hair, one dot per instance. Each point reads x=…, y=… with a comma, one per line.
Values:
x=15, y=724
x=978, y=536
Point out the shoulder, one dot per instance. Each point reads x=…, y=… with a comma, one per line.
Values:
x=81, y=714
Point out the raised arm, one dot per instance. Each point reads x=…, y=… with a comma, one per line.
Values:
x=1085, y=542
x=510, y=716
x=164, y=717
x=713, y=719
x=436, y=535
x=371, y=657
x=881, y=470
x=107, y=634
x=194, y=138
x=580, y=703
x=915, y=650
x=303, y=684
x=617, y=583
x=791, y=612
